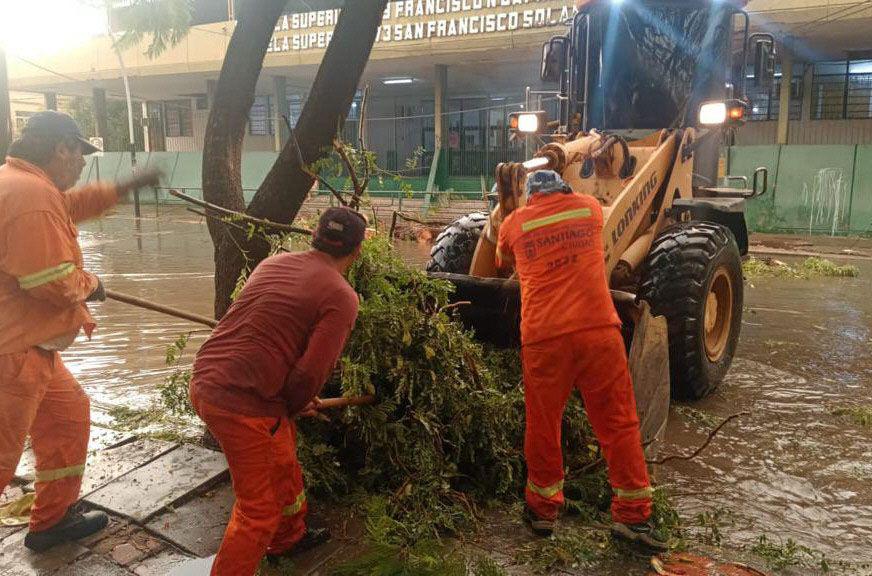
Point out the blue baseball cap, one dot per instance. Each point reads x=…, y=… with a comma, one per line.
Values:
x=546, y=182
x=51, y=123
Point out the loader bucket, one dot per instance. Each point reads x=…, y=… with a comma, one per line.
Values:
x=649, y=368
x=494, y=313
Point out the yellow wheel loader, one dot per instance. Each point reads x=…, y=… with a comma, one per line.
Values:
x=648, y=92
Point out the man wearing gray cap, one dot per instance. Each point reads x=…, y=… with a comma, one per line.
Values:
x=264, y=365
x=44, y=289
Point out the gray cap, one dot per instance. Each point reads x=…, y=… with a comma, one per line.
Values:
x=51, y=123
x=545, y=182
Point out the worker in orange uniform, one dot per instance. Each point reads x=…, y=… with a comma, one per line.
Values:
x=571, y=338
x=263, y=366
x=43, y=293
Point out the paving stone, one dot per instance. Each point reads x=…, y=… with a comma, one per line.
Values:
x=101, y=438
x=108, y=464
x=146, y=491
x=196, y=567
x=198, y=525
x=161, y=563
x=127, y=553
x=92, y=566
x=16, y=560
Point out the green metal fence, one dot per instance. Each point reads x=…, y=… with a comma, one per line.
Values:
x=812, y=189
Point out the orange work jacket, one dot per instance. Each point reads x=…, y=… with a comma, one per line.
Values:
x=556, y=244
x=43, y=286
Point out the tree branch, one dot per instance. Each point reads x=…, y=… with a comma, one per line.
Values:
x=708, y=440
x=343, y=155
x=240, y=215
x=306, y=169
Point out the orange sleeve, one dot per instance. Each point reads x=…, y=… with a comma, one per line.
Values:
x=91, y=200
x=38, y=255
x=505, y=258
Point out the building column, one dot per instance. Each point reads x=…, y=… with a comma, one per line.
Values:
x=210, y=92
x=441, y=103
x=101, y=116
x=5, y=109
x=784, y=100
x=51, y=101
x=807, y=88
x=146, y=133
x=280, y=109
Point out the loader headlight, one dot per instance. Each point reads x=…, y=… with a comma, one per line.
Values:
x=731, y=112
x=527, y=122
x=713, y=113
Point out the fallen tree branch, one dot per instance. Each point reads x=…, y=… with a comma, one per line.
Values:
x=240, y=215
x=708, y=440
x=228, y=223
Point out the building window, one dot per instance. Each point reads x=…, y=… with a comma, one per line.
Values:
x=178, y=118
x=766, y=102
x=260, y=122
x=21, y=119
x=842, y=90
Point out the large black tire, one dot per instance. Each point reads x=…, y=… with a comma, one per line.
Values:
x=694, y=269
x=452, y=252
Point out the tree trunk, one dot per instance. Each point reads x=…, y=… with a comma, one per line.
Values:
x=5, y=126
x=286, y=186
x=225, y=132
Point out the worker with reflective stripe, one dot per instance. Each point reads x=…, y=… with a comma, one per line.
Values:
x=264, y=366
x=571, y=339
x=43, y=291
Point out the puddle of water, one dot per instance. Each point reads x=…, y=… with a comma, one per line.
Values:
x=791, y=469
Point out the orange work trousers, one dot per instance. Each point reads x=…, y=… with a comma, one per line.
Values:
x=595, y=363
x=270, y=510
x=39, y=397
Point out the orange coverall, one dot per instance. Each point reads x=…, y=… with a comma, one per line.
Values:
x=43, y=289
x=571, y=338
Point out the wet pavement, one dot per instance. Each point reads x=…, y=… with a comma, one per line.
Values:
x=791, y=469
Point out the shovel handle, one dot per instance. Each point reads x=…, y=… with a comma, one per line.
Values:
x=334, y=403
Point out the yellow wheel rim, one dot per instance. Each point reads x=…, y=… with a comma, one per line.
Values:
x=718, y=314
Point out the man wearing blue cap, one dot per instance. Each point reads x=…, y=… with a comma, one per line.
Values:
x=571, y=338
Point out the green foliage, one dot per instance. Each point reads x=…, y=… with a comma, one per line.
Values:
x=447, y=432
x=860, y=415
x=163, y=22
x=118, y=138
x=812, y=267
x=174, y=390
x=697, y=416
x=710, y=523
x=666, y=519
x=779, y=556
x=425, y=557
x=568, y=549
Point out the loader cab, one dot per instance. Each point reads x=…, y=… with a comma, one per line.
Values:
x=632, y=67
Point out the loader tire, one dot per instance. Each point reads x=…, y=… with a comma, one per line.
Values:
x=693, y=277
x=454, y=247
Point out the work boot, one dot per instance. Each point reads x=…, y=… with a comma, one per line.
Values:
x=643, y=534
x=74, y=525
x=539, y=526
x=313, y=538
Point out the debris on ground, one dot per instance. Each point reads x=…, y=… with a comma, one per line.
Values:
x=812, y=267
x=860, y=415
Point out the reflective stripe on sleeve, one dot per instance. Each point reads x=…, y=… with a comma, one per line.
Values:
x=639, y=494
x=38, y=279
x=546, y=491
x=295, y=508
x=555, y=218
x=59, y=473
